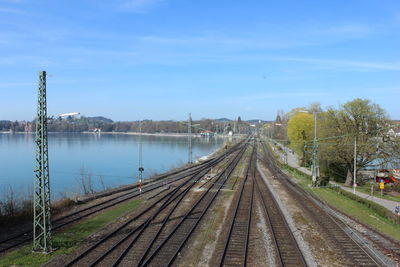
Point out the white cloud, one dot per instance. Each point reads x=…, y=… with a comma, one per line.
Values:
x=354, y=65
x=220, y=40
x=354, y=30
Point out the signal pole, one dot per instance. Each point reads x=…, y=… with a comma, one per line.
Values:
x=41, y=198
x=141, y=169
x=315, y=164
x=190, y=139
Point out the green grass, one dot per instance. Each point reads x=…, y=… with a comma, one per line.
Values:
x=377, y=193
x=351, y=207
x=69, y=239
x=359, y=211
x=348, y=206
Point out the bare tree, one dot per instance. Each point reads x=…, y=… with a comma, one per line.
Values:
x=85, y=181
x=10, y=204
x=103, y=185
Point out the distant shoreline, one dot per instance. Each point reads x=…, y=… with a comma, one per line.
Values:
x=124, y=133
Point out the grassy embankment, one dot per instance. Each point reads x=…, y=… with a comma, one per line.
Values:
x=69, y=239
x=366, y=188
x=364, y=211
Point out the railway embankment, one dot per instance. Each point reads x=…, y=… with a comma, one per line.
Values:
x=379, y=232
x=289, y=160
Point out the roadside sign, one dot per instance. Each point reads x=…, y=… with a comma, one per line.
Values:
x=381, y=185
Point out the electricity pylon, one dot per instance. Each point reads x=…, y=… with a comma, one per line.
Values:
x=41, y=198
x=190, y=139
x=315, y=163
x=141, y=169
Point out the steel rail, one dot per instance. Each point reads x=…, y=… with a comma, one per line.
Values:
x=288, y=251
x=166, y=200
x=143, y=226
x=336, y=233
x=23, y=237
x=195, y=221
x=98, y=243
x=228, y=257
x=128, y=195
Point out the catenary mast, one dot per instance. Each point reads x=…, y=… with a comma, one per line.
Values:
x=41, y=198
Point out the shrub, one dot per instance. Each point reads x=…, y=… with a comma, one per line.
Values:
x=382, y=211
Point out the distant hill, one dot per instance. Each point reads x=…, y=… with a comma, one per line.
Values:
x=222, y=119
x=100, y=118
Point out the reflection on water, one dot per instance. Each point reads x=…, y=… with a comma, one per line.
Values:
x=112, y=158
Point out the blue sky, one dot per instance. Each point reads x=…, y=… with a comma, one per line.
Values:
x=160, y=59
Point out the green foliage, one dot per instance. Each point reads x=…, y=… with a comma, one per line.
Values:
x=363, y=210
x=84, y=124
x=68, y=240
x=300, y=130
x=359, y=211
x=396, y=187
x=358, y=119
x=380, y=210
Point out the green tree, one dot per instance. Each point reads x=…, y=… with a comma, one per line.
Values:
x=300, y=130
x=358, y=120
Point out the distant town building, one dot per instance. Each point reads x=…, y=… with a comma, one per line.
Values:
x=206, y=133
x=392, y=132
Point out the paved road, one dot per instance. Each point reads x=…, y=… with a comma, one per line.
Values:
x=293, y=161
x=290, y=158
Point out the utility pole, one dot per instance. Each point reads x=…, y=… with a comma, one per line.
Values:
x=190, y=139
x=355, y=165
x=225, y=148
x=315, y=164
x=41, y=197
x=141, y=169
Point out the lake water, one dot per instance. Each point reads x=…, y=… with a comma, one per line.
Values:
x=113, y=157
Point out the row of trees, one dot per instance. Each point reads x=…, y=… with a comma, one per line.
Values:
x=359, y=122
x=83, y=124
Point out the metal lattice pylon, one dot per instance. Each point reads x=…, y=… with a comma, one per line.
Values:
x=190, y=139
x=41, y=197
x=315, y=162
x=141, y=169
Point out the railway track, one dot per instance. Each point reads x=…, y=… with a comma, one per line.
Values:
x=165, y=253
x=128, y=231
x=25, y=236
x=132, y=241
x=334, y=231
x=288, y=251
x=236, y=243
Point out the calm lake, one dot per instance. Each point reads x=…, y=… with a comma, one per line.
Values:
x=111, y=159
